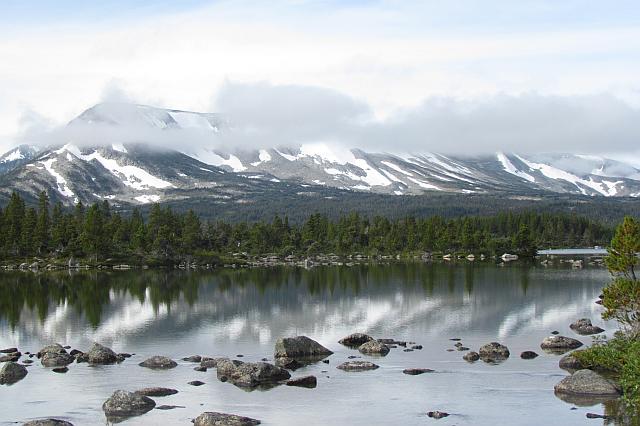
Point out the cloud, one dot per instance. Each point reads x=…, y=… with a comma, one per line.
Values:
x=263, y=115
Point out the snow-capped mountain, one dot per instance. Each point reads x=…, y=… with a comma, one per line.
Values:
x=159, y=162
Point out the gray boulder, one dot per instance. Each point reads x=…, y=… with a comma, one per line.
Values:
x=208, y=362
x=47, y=422
x=471, y=356
x=493, y=352
x=303, y=382
x=374, y=347
x=11, y=373
x=11, y=356
x=8, y=350
x=559, y=344
x=158, y=363
x=570, y=362
x=357, y=366
x=193, y=358
x=288, y=363
x=55, y=356
x=355, y=340
x=156, y=391
x=300, y=347
x=587, y=383
x=528, y=355
x=99, y=354
x=250, y=374
x=123, y=404
x=222, y=419
x=584, y=327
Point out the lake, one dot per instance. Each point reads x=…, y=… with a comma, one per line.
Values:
x=232, y=312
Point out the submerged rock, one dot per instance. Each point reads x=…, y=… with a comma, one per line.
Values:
x=196, y=383
x=560, y=344
x=158, y=363
x=288, y=363
x=47, y=422
x=471, y=356
x=303, y=382
x=437, y=414
x=587, y=383
x=528, y=355
x=156, y=391
x=250, y=374
x=60, y=370
x=193, y=358
x=416, y=371
x=169, y=407
x=357, y=366
x=494, y=352
x=570, y=362
x=99, y=354
x=123, y=404
x=374, y=347
x=300, y=347
x=584, y=327
x=222, y=419
x=11, y=373
x=356, y=339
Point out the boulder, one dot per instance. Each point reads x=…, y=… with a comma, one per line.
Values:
x=12, y=356
x=471, y=356
x=493, y=352
x=123, y=404
x=374, y=347
x=193, y=358
x=355, y=340
x=300, y=347
x=288, y=363
x=55, y=356
x=559, y=344
x=8, y=350
x=250, y=374
x=60, y=370
x=570, y=362
x=584, y=327
x=47, y=422
x=158, y=363
x=357, y=366
x=11, y=373
x=99, y=354
x=528, y=355
x=222, y=419
x=207, y=362
x=587, y=383
x=416, y=371
x=303, y=382
x=156, y=391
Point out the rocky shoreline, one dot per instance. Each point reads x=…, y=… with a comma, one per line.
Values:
x=290, y=354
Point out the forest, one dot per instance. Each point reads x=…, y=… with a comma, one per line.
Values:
x=98, y=233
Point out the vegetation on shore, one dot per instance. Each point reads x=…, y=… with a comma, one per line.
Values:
x=621, y=300
x=96, y=233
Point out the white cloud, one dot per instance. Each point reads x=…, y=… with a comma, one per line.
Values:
x=386, y=55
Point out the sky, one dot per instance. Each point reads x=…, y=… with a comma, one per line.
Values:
x=458, y=76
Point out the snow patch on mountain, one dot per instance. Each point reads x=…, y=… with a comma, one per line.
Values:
x=12, y=156
x=148, y=198
x=510, y=168
x=210, y=157
x=61, y=182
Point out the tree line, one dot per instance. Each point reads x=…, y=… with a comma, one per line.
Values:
x=99, y=232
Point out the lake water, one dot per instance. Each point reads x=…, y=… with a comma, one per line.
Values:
x=230, y=312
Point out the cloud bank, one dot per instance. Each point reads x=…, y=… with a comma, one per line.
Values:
x=262, y=115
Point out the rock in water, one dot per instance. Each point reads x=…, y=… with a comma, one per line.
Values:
x=300, y=347
x=471, y=356
x=416, y=371
x=494, y=352
x=156, y=392
x=123, y=404
x=11, y=373
x=304, y=382
x=357, y=366
x=8, y=350
x=99, y=354
x=222, y=419
x=207, y=362
x=355, y=340
x=559, y=344
x=158, y=363
x=193, y=358
x=528, y=355
x=288, y=363
x=374, y=347
x=437, y=414
x=587, y=383
x=584, y=327
x=570, y=362
x=196, y=383
x=47, y=422
x=250, y=374
x=55, y=356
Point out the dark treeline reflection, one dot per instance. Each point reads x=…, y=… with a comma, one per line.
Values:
x=88, y=293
